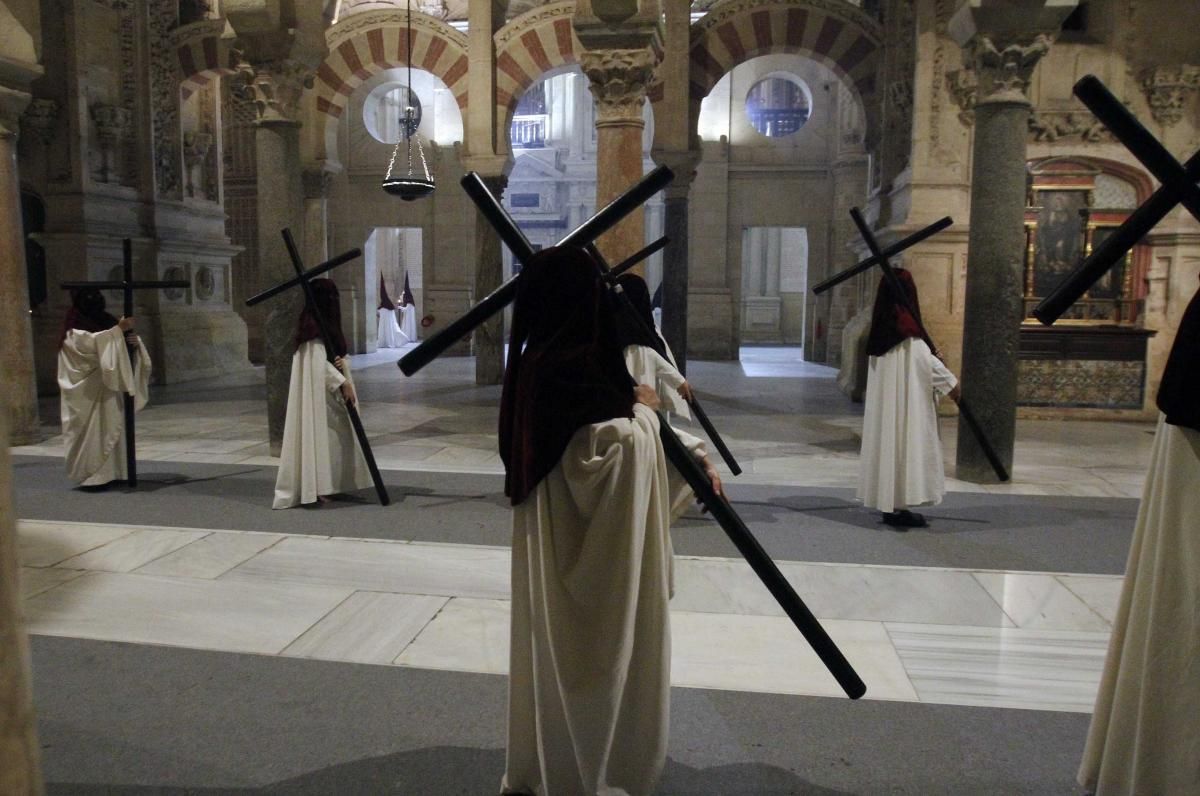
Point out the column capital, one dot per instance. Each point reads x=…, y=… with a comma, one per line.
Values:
x=619, y=79
x=12, y=105
x=683, y=163
x=275, y=87
x=1166, y=87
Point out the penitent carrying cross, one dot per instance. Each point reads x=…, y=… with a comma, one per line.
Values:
x=127, y=285
x=302, y=279
x=720, y=508
x=1178, y=187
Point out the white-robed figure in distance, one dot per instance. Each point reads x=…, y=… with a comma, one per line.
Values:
x=408, y=313
x=593, y=499
x=1145, y=731
x=900, y=464
x=387, y=330
x=99, y=361
x=320, y=456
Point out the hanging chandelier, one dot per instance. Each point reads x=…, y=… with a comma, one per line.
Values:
x=412, y=184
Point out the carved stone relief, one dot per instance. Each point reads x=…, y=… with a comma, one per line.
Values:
x=1052, y=125
x=114, y=135
x=275, y=88
x=40, y=119
x=1167, y=88
x=618, y=79
x=164, y=100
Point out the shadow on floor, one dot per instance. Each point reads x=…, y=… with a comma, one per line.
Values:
x=452, y=770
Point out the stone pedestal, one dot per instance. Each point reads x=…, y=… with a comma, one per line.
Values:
x=618, y=80
x=16, y=354
x=487, y=344
x=19, y=756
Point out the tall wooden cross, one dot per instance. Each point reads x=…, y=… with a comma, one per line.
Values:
x=720, y=508
x=1178, y=187
x=127, y=285
x=303, y=279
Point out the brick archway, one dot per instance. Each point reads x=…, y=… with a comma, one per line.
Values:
x=363, y=45
x=535, y=45
x=202, y=54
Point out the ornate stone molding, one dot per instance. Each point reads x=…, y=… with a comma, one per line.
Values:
x=114, y=129
x=531, y=19
x=1004, y=66
x=619, y=79
x=1166, y=88
x=275, y=88
x=40, y=119
x=1053, y=125
x=962, y=87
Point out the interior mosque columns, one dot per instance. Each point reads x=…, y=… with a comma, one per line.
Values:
x=280, y=57
x=1002, y=46
x=623, y=44
x=675, y=256
x=19, y=49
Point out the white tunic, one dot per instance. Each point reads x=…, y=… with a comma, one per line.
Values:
x=388, y=332
x=320, y=455
x=1145, y=732
x=590, y=653
x=93, y=372
x=408, y=323
x=900, y=464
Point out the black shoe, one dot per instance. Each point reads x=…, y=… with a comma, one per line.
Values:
x=904, y=519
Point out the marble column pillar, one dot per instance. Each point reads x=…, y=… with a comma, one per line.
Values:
x=487, y=344
x=618, y=80
x=19, y=752
x=16, y=354
x=675, y=256
x=995, y=250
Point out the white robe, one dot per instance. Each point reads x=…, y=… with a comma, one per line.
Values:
x=408, y=323
x=1145, y=732
x=388, y=335
x=590, y=654
x=648, y=367
x=94, y=370
x=900, y=464
x=320, y=455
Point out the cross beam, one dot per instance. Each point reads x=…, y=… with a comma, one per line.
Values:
x=302, y=279
x=888, y=251
x=498, y=299
x=902, y=296
x=1178, y=187
x=127, y=286
x=720, y=508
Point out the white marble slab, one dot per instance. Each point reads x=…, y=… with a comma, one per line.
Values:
x=448, y=570
x=369, y=627
x=1101, y=593
x=1039, y=601
x=35, y=580
x=130, y=552
x=211, y=556
x=839, y=591
x=235, y=617
x=468, y=635
x=44, y=544
x=1002, y=667
x=768, y=654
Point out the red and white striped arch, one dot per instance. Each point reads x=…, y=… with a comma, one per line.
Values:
x=538, y=43
x=838, y=35
x=363, y=45
x=202, y=54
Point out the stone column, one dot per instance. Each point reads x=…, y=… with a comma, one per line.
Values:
x=315, y=248
x=675, y=256
x=619, y=79
x=275, y=88
x=1002, y=47
x=16, y=354
x=487, y=344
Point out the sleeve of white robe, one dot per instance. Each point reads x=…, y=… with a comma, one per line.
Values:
x=943, y=379
x=649, y=368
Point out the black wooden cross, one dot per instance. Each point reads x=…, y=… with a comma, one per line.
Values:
x=302, y=279
x=888, y=251
x=127, y=285
x=1178, y=187
x=720, y=508
x=902, y=296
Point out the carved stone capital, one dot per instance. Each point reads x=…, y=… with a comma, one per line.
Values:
x=1004, y=66
x=275, y=88
x=12, y=105
x=1166, y=90
x=683, y=164
x=114, y=124
x=619, y=79
x=317, y=183
x=40, y=118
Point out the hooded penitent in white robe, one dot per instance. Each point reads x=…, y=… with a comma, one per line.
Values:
x=1145, y=732
x=320, y=455
x=388, y=331
x=590, y=656
x=408, y=323
x=94, y=371
x=900, y=464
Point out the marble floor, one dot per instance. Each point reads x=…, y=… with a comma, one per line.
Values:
x=988, y=638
